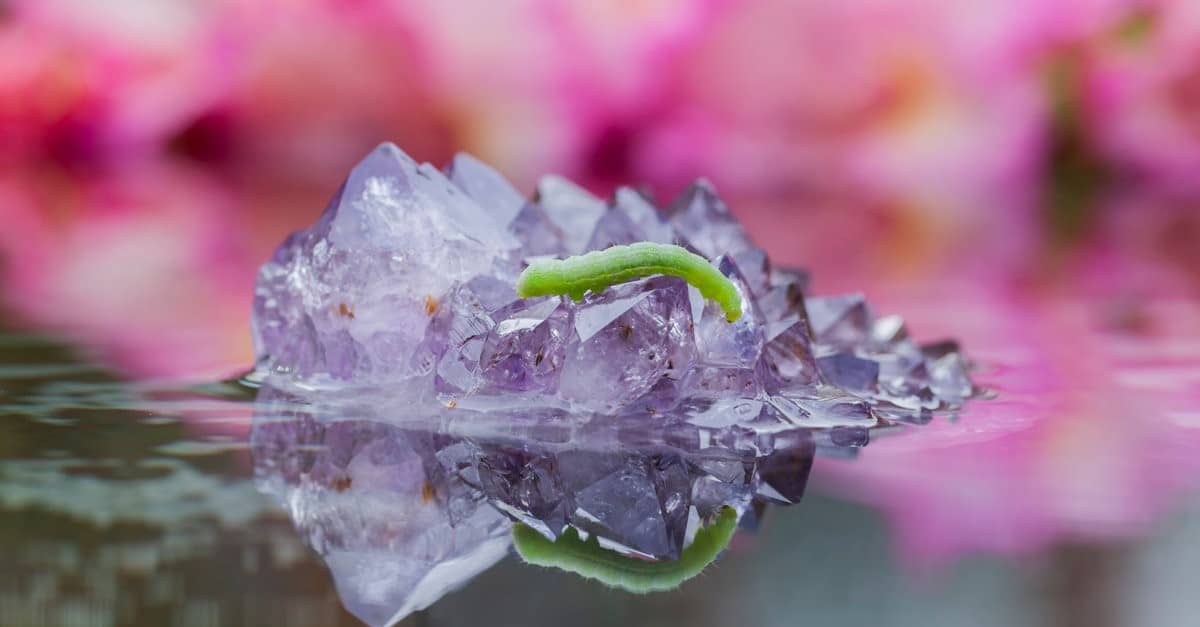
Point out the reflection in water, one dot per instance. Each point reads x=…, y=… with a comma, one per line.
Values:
x=405, y=510
x=396, y=530
x=394, y=527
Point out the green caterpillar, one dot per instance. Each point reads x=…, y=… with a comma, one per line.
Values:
x=600, y=269
x=589, y=560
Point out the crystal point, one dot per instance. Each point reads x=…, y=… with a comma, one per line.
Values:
x=703, y=221
x=487, y=187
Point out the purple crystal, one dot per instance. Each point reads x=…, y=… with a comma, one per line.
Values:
x=720, y=342
x=788, y=354
x=486, y=187
x=850, y=372
x=632, y=218
x=455, y=337
x=629, y=415
x=407, y=280
x=616, y=498
x=526, y=348
x=947, y=372
x=570, y=208
x=536, y=232
x=625, y=340
x=756, y=270
x=703, y=221
x=347, y=298
x=840, y=320
x=849, y=436
x=527, y=487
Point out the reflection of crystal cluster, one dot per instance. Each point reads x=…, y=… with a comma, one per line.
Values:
x=401, y=516
x=395, y=530
x=407, y=280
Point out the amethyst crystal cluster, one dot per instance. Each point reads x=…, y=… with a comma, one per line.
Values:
x=407, y=281
x=413, y=406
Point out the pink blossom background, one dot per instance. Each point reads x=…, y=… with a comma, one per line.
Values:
x=1021, y=174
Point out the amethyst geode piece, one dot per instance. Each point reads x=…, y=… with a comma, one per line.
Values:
x=406, y=281
x=413, y=407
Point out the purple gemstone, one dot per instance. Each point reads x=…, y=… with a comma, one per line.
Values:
x=407, y=282
x=850, y=372
x=703, y=221
x=346, y=298
x=621, y=506
x=572, y=209
x=720, y=342
x=454, y=340
x=536, y=232
x=527, y=487
x=631, y=415
x=715, y=382
x=784, y=303
x=612, y=229
x=949, y=379
x=629, y=338
x=485, y=186
x=849, y=436
x=631, y=218
x=756, y=269
x=788, y=354
x=525, y=349
x=840, y=320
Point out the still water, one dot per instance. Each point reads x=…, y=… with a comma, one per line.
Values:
x=137, y=503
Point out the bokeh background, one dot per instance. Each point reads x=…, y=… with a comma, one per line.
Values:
x=1021, y=174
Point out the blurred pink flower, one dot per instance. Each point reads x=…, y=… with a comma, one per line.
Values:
x=312, y=86
x=146, y=267
x=931, y=116
x=1140, y=95
x=542, y=86
x=84, y=85
x=291, y=89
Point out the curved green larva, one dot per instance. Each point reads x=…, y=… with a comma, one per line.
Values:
x=587, y=559
x=599, y=269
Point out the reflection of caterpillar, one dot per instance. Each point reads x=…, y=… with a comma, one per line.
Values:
x=588, y=559
x=600, y=269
